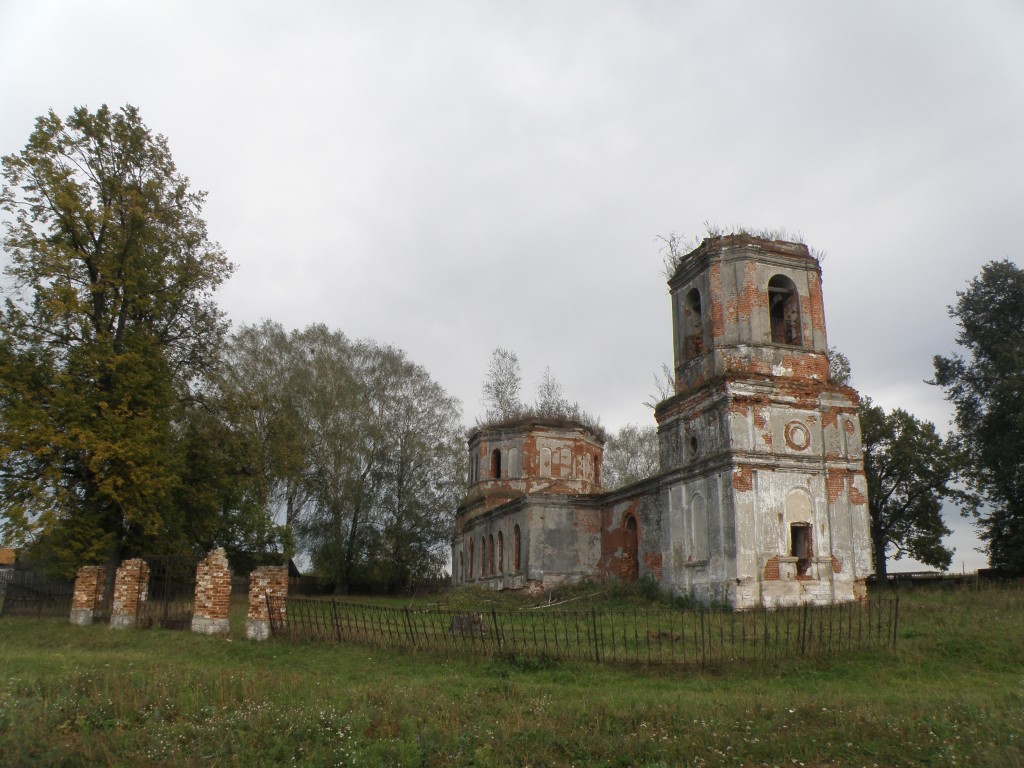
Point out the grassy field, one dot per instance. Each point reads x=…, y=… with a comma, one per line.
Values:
x=951, y=695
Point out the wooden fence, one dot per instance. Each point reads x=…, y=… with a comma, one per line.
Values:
x=702, y=637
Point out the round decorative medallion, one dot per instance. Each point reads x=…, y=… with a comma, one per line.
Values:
x=797, y=436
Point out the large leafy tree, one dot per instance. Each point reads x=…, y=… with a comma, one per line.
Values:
x=985, y=383
x=358, y=447
x=910, y=469
x=259, y=391
x=108, y=322
x=385, y=464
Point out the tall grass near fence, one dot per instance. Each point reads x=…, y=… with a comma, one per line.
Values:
x=951, y=695
x=681, y=636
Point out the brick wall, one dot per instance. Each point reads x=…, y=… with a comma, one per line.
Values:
x=87, y=599
x=130, y=587
x=213, y=594
x=266, y=581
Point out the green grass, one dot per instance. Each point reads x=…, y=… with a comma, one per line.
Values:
x=952, y=695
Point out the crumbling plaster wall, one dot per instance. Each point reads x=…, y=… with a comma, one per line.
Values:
x=732, y=278
x=484, y=527
x=533, y=460
x=564, y=541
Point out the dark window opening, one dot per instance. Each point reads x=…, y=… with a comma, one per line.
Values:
x=515, y=549
x=490, y=555
x=784, y=311
x=800, y=547
x=483, y=557
x=470, y=547
x=501, y=553
x=496, y=464
x=693, y=326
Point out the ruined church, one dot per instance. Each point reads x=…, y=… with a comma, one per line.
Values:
x=761, y=499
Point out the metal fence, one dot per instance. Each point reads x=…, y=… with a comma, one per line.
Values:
x=168, y=598
x=30, y=593
x=701, y=637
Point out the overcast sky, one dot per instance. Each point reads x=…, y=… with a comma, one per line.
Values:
x=450, y=177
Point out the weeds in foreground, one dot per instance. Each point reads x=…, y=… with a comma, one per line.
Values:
x=952, y=695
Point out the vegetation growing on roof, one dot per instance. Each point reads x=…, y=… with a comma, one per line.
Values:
x=504, y=406
x=675, y=247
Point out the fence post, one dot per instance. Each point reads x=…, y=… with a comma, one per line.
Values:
x=409, y=627
x=597, y=644
x=130, y=586
x=895, y=620
x=803, y=630
x=212, y=594
x=88, y=594
x=497, y=631
x=337, y=624
x=265, y=582
x=703, y=658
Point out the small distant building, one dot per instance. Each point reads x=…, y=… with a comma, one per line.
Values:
x=8, y=557
x=761, y=500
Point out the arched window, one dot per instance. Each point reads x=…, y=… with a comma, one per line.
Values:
x=514, y=468
x=784, y=311
x=515, y=549
x=462, y=567
x=501, y=553
x=470, y=548
x=693, y=326
x=483, y=557
x=490, y=555
x=496, y=464
x=597, y=468
x=545, y=462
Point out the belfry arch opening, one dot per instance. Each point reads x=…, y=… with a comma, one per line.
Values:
x=784, y=311
x=693, y=326
x=496, y=464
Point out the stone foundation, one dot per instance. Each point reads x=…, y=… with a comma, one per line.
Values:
x=266, y=581
x=213, y=594
x=130, y=590
x=87, y=600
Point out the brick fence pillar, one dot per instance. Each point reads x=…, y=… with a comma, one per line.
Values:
x=87, y=599
x=266, y=581
x=213, y=594
x=130, y=591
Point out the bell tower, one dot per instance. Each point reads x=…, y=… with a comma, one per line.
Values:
x=744, y=305
x=767, y=495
